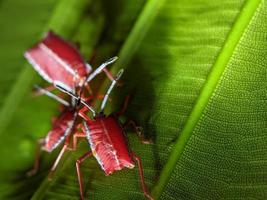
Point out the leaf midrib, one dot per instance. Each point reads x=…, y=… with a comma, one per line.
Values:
x=211, y=83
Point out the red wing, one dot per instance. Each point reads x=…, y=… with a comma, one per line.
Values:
x=66, y=52
x=49, y=68
x=61, y=129
x=108, y=145
x=57, y=61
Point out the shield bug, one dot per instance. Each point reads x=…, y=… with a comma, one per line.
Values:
x=107, y=141
x=60, y=63
x=63, y=125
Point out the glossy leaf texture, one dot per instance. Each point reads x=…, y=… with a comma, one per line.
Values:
x=196, y=72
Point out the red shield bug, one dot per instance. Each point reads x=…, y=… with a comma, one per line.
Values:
x=60, y=63
x=63, y=125
x=107, y=141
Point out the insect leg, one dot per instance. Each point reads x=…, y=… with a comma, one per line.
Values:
x=124, y=106
x=99, y=97
x=75, y=139
x=60, y=155
x=138, y=130
x=64, y=149
x=109, y=74
x=36, y=165
x=83, y=114
x=89, y=99
x=88, y=88
x=141, y=173
x=78, y=164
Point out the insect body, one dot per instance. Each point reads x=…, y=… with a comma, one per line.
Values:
x=107, y=141
x=61, y=129
x=108, y=144
x=60, y=63
x=62, y=126
x=105, y=135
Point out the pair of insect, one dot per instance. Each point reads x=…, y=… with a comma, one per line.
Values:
x=60, y=63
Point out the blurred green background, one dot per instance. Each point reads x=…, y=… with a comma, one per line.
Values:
x=196, y=70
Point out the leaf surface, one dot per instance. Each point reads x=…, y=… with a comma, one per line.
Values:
x=21, y=115
x=224, y=155
x=196, y=72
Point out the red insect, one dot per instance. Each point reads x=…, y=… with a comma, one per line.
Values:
x=60, y=63
x=62, y=126
x=107, y=141
x=61, y=129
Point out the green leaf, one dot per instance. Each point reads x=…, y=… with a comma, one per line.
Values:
x=196, y=71
x=208, y=92
x=22, y=24
x=227, y=145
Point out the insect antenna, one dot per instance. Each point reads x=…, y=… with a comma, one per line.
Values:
x=100, y=68
x=78, y=98
x=113, y=83
x=51, y=95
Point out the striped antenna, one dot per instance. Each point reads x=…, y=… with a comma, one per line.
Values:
x=100, y=68
x=113, y=83
x=51, y=95
x=77, y=98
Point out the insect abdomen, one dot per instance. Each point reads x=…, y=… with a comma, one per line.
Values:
x=59, y=132
x=57, y=61
x=108, y=145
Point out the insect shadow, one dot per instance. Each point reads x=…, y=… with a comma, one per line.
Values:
x=138, y=83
